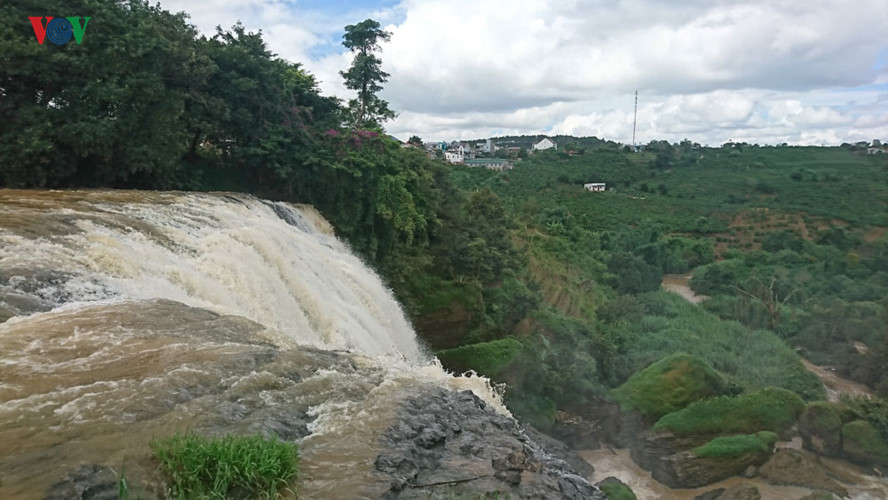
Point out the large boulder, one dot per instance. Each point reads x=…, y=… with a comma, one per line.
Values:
x=669, y=385
x=821, y=429
x=791, y=467
x=742, y=491
x=863, y=444
x=694, y=461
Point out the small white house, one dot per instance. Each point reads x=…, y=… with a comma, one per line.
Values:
x=876, y=150
x=546, y=143
x=595, y=186
x=454, y=156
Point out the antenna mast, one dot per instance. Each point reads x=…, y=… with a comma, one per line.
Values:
x=635, y=119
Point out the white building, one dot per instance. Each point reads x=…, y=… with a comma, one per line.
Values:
x=595, y=186
x=546, y=143
x=454, y=156
x=491, y=163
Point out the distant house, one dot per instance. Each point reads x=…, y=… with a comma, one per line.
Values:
x=595, y=186
x=454, y=156
x=546, y=143
x=490, y=163
x=488, y=147
x=876, y=151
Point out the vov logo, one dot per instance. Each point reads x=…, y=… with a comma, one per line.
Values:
x=59, y=30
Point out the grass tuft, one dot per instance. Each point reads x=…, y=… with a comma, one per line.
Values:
x=232, y=466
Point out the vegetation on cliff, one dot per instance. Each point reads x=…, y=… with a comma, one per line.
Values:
x=770, y=409
x=669, y=385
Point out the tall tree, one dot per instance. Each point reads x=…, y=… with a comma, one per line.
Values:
x=365, y=74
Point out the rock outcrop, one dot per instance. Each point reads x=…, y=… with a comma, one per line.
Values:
x=448, y=444
x=687, y=470
x=742, y=491
x=791, y=467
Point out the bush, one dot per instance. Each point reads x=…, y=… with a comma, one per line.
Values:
x=669, y=385
x=734, y=446
x=821, y=428
x=243, y=466
x=770, y=409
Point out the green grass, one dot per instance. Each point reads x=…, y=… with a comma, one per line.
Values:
x=669, y=385
x=770, y=409
x=239, y=466
x=735, y=446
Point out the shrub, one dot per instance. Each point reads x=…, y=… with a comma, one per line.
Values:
x=734, y=446
x=199, y=467
x=669, y=385
x=771, y=409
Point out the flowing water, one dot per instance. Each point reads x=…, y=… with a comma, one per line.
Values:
x=132, y=315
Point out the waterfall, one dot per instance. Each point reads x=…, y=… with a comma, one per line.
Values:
x=271, y=262
x=125, y=316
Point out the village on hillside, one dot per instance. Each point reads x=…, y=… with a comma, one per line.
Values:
x=482, y=153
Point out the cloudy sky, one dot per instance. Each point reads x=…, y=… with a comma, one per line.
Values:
x=763, y=71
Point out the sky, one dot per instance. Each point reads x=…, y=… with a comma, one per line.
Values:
x=710, y=71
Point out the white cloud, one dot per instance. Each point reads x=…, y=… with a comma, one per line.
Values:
x=754, y=70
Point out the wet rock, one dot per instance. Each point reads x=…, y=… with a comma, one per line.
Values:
x=750, y=472
x=447, y=444
x=87, y=482
x=687, y=470
x=711, y=494
x=651, y=448
x=818, y=495
x=741, y=491
x=560, y=450
x=791, y=467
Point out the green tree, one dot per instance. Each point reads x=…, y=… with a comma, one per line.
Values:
x=365, y=74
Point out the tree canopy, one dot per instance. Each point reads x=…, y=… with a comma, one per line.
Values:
x=365, y=75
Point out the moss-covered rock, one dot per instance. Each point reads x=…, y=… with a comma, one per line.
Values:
x=487, y=358
x=734, y=446
x=616, y=489
x=863, y=444
x=669, y=385
x=821, y=429
x=770, y=409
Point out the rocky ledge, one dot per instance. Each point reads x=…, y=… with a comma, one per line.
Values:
x=449, y=444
